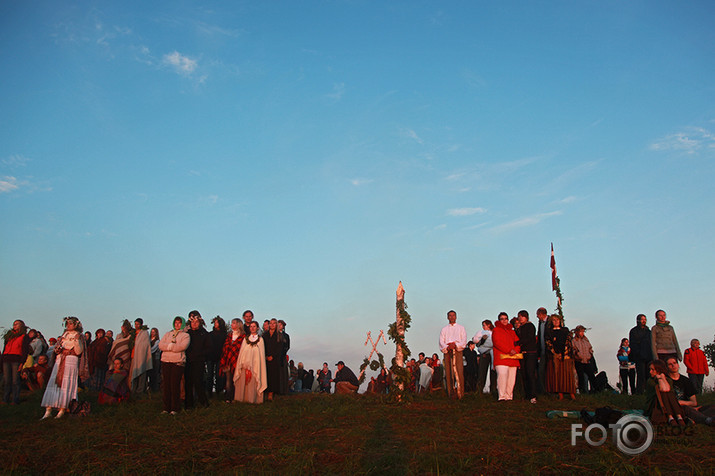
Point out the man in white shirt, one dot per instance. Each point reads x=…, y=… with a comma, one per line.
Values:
x=452, y=341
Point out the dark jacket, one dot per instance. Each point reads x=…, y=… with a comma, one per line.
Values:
x=527, y=337
x=639, y=338
x=217, y=338
x=346, y=375
x=199, y=347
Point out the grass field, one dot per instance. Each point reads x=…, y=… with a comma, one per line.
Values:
x=335, y=434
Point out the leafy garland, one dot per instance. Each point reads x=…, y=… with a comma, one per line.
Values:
x=709, y=351
x=374, y=365
x=400, y=375
x=559, y=301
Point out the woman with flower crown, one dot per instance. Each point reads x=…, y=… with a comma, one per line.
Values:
x=250, y=375
x=70, y=364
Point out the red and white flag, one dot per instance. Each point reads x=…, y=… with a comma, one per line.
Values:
x=553, y=269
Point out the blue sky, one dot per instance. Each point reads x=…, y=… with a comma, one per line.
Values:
x=301, y=158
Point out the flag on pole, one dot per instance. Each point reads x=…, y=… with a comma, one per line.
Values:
x=554, y=285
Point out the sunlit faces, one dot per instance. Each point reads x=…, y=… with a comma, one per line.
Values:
x=673, y=365
x=177, y=324
x=195, y=324
x=660, y=316
x=253, y=326
x=117, y=365
x=642, y=320
x=452, y=317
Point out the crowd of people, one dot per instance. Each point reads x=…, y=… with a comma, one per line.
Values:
x=245, y=362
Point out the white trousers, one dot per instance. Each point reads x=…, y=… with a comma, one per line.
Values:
x=506, y=377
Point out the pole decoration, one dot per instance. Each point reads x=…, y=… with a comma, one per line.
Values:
x=401, y=377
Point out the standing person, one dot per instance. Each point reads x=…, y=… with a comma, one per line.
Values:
x=229, y=355
x=626, y=368
x=483, y=339
x=98, y=354
x=214, y=378
x=155, y=373
x=70, y=366
x=583, y=360
x=529, y=349
x=285, y=370
x=470, y=369
x=324, y=378
x=452, y=341
x=505, y=350
x=273, y=341
x=560, y=369
x=173, y=360
x=141, y=357
x=543, y=328
x=696, y=365
x=247, y=319
x=14, y=355
x=663, y=340
x=249, y=377
x=641, y=351
x=122, y=346
x=195, y=369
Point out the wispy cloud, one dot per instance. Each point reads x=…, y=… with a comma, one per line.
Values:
x=337, y=93
x=360, y=181
x=15, y=161
x=440, y=227
x=569, y=199
x=208, y=29
x=410, y=134
x=690, y=140
x=462, y=212
x=525, y=221
x=181, y=64
x=8, y=184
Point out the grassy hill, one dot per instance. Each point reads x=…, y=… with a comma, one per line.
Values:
x=329, y=434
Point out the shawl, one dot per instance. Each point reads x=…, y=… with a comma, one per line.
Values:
x=560, y=341
x=141, y=360
x=115, y=388
x=121, y=350
x=77, y=349
x=252, y=357
x=229, y=354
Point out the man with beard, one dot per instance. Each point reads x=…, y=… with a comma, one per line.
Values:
x=641, y=351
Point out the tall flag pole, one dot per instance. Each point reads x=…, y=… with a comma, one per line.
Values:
x=556, y=285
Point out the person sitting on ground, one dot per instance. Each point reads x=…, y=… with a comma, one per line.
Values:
x=685, y=391
x=437, y=373
x=116, y=385
x=697, y=365
x=35, y=377
x=345, y=380
x=661, y=402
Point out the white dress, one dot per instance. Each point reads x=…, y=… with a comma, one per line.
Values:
x=60, y=397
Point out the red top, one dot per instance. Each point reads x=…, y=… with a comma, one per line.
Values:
x=504, y=339
x=695, y=361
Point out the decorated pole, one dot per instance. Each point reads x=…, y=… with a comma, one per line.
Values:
x=399, y=356
x=556, y=286
x=400, y=375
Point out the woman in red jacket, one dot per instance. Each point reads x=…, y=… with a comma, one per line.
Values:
x=14, y=355
x=505, y=356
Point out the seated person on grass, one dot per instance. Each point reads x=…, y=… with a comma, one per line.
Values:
x=686, y=392
x=116, y=386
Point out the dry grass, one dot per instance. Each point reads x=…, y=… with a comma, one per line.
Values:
x=321, y=434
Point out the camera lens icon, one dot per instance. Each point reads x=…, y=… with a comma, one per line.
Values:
x=633, y=435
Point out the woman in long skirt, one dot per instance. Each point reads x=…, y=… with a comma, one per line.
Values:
x=70, y=365
x=250, y=375
x=560, y=367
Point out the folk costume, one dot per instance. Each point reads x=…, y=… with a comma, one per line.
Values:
x=250, y=377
